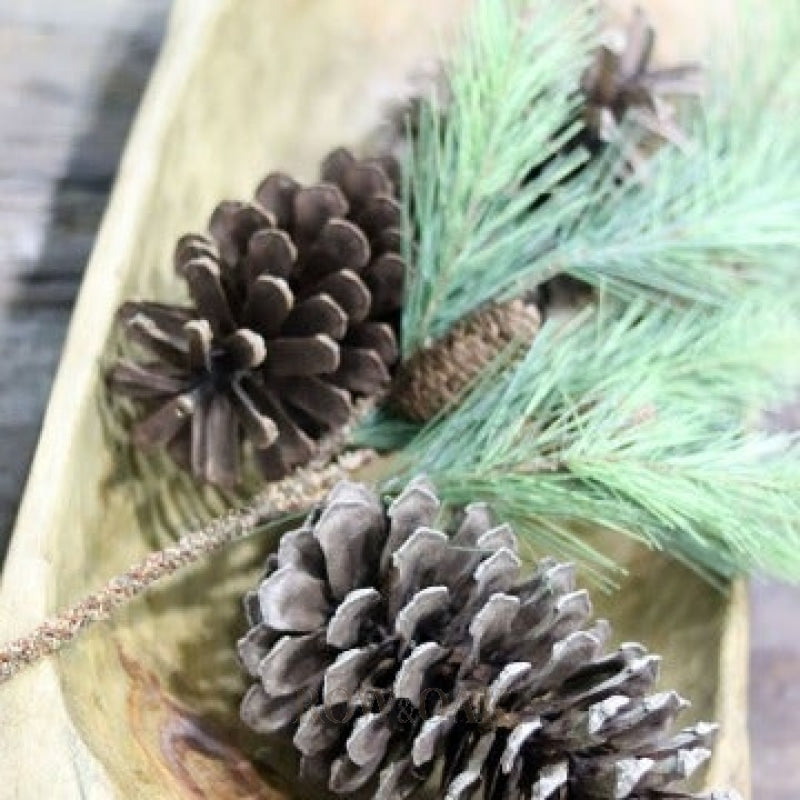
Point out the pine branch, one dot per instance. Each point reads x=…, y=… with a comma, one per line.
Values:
x=633, y=422
x=722, y=213
x=707, y=221
x=704, y=222
x=465, y=172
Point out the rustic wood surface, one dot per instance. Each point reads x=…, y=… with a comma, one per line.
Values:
x=70, y=77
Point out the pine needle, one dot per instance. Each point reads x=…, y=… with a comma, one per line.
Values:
x=706, y=221
x=633, y=422
x=514, y=100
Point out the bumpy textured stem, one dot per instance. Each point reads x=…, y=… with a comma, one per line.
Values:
x=296, y=493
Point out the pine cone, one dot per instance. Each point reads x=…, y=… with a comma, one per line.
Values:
x=296, y=304
x=619, y=84
x=436, y=377
x=396, y=655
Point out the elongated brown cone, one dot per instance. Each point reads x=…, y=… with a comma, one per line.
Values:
x=397, y=656
x=435, y=378
x=296, y=298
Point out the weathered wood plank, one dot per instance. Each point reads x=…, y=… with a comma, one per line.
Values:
x=775, y=691
x=70, y=78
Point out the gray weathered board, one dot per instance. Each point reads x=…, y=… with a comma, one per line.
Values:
x=70, y=76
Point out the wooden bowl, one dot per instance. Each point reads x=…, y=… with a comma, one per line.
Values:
x=146, y=707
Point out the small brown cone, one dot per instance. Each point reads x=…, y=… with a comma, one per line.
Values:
x=621, y=85
x=436, y=377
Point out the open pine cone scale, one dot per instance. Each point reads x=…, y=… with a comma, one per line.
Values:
x=295, y=307
x=396, y=656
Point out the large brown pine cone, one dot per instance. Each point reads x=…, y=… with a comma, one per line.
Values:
x=396, y=655
x=296, y=303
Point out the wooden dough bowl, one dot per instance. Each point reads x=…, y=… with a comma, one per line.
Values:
x=146, y=707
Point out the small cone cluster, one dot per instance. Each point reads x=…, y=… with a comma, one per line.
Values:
x=295, y=304
x=397, y=656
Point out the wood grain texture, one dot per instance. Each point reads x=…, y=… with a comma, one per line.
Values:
x=60, y=135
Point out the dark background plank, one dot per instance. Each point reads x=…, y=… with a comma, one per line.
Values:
x=71, y=74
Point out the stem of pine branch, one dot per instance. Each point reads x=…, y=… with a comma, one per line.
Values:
x=294, y=494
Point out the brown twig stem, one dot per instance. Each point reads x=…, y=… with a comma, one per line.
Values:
x=294, y=494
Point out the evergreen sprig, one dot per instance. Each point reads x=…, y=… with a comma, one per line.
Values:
x=632, y=421
x=706, y=222
x=512, y=105
x=703, y=222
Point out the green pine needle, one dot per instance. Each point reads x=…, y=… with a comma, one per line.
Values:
x=703, y=223
x=633, y=422
x=514, y=99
